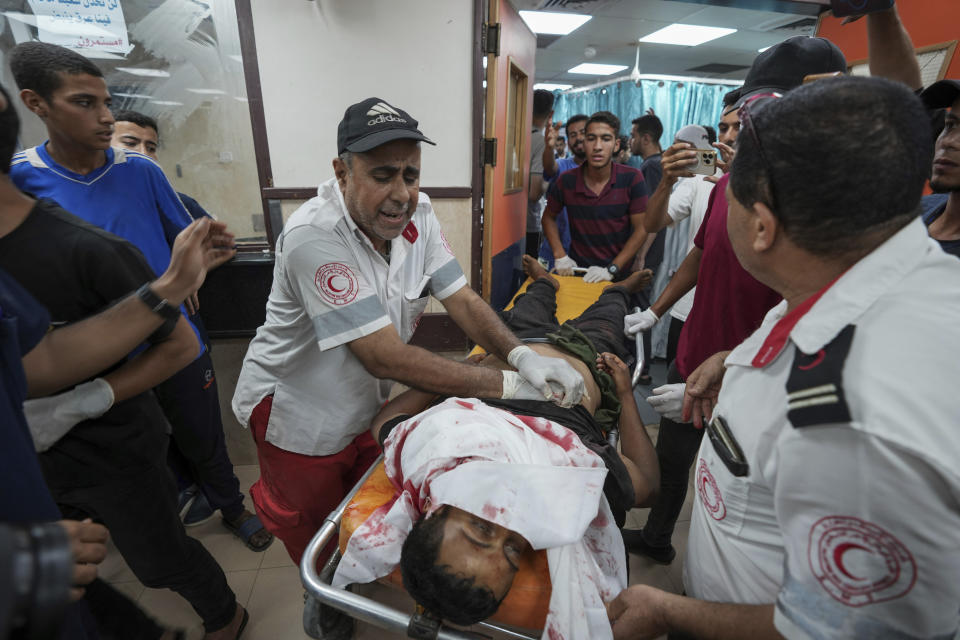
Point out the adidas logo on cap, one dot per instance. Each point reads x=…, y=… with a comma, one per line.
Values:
x=383, y=113
x=382, y=107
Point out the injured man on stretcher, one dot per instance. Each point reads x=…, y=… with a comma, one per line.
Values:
x=479, y=484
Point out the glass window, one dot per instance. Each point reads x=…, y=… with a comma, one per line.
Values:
x=177, y=61
x=515, y=161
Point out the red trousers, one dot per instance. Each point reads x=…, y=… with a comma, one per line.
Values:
x=296, y=492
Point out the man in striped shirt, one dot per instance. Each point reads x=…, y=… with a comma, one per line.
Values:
x=605, y=203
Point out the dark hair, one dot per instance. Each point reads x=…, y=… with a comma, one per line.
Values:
x=730, y=97
x=650, y=125
x=38, y=65
x=451, y=596
x=624, y=143
x=844, y=158
x=711, y=133
x=605, y=117
x=580, y=117
x=542, y=102
x=137, y=118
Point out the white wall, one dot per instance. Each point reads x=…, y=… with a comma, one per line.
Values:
x=318, y=57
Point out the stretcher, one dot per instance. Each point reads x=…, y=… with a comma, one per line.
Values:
x=521, y=614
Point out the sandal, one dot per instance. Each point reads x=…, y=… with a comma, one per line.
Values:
x=247, y=526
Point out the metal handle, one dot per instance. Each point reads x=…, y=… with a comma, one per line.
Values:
x=641, y=357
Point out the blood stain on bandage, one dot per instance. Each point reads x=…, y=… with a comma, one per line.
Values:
x=490, y=512
x=553, y=633
x=468, y=405
x=599, y=522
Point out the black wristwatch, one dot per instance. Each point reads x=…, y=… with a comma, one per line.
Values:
x=158, y=305
x=613, y=269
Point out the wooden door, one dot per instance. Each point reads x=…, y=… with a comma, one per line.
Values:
x=508, y=118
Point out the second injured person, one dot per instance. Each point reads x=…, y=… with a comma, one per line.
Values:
x=481, y=483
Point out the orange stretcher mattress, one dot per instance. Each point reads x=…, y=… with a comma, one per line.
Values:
x=529, y=598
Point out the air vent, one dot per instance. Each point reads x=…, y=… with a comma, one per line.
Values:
x=544, y=40
x=798, y=25
x=717, y=67
x=574, y=6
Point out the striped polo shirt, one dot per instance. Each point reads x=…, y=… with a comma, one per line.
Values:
x=599, y=224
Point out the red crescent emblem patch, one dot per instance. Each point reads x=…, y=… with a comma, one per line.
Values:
x=709, y=492
x=859, y=563
x=336, y=283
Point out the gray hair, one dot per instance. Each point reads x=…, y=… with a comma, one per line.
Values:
x=347, y=158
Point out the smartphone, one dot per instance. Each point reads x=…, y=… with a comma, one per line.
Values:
x=706, y=162
x=844, y=8
x=696, y=136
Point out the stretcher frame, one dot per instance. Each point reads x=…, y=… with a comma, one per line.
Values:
x=318, y=583
x=358, y=607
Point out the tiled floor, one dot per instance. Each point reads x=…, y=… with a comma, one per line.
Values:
x=268, y=584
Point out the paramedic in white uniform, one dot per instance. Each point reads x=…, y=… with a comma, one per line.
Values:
x=354, y=269
x=828, y=491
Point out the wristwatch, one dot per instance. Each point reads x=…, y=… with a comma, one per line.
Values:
x=613, y=269
x=158, y=305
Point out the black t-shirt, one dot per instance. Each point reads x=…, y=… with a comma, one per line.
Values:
x=23, y=322
x=75, y=270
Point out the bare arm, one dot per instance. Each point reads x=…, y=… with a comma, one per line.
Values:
x=156, y=364
x=385, y=355
x=480, y=322
x=550, y=138
x=637, y=452
x=682, y=281
x=638, y=236
x=552, y=233
x=537, y=187
x=80, y=350
x=892, y=55
x=676, y=158
x=645, y=612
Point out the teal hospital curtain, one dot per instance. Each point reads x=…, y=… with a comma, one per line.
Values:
x=677, y=104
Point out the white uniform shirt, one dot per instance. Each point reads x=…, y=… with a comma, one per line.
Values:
x=689, y=200
x=330, y=287
x=849, y=516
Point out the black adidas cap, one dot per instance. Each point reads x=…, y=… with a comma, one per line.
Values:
x=373, y=122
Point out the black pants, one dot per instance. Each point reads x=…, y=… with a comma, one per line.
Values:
x=117, y=616
x=191, y=403
x=677, y=446
x=532, y=247
x=141, y=513
x=534, y=314
x=673, y=338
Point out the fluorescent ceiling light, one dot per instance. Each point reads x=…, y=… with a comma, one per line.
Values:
x=132, y=95
x=167, y=103
x=212, y=92
x=551, y=86
x=594, y=69
x=559, y=24
x=150, y=73
x=689, y=35
x=764, y=49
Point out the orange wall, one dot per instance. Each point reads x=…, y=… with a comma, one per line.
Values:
x=510, y=211
x=928, y=22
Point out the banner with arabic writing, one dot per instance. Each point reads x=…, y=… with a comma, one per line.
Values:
x=83, y=25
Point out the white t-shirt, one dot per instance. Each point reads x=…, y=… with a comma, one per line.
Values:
x=689, y=200
x=848, y=517
x=330, y=287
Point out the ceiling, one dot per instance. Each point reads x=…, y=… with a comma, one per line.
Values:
x=618, y=24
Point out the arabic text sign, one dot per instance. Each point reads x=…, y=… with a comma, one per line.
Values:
x=83, y=25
